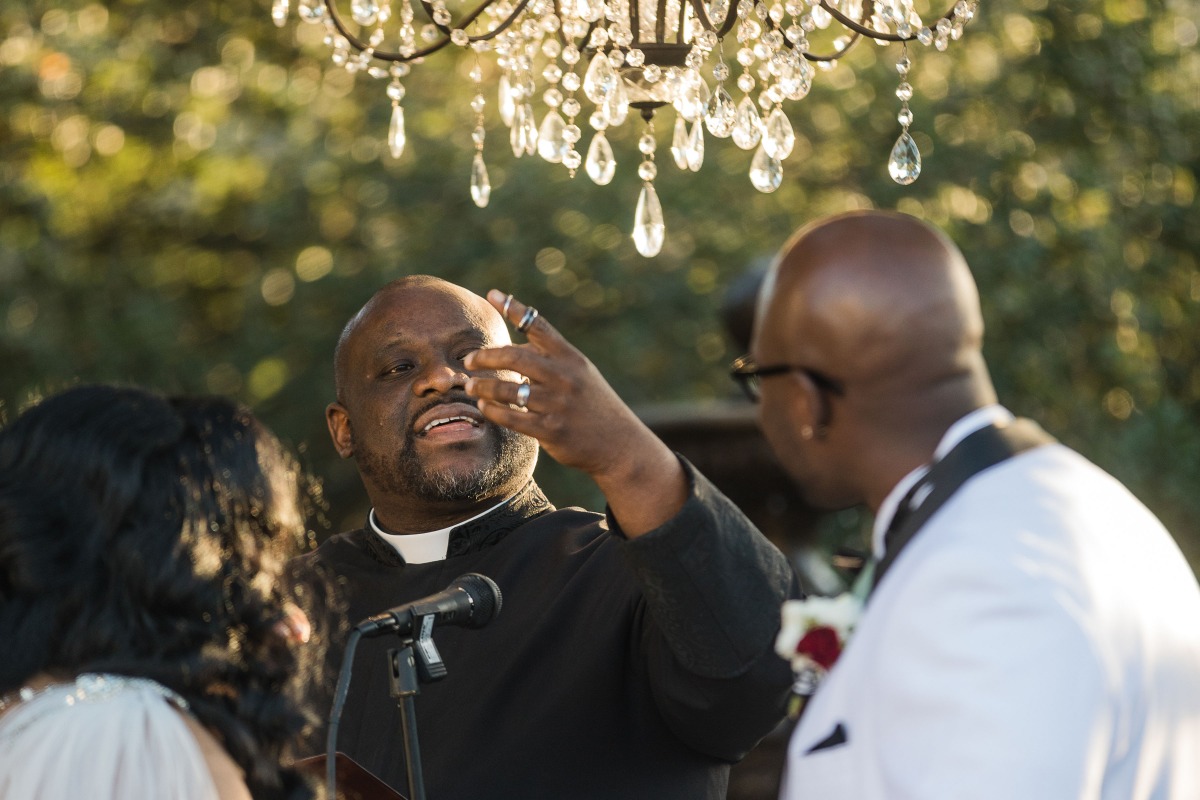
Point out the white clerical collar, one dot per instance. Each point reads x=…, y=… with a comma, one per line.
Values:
x=979, y=418
x=424, y=548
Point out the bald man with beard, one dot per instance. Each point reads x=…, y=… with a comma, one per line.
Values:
x=1034, y=632
x=632, y=657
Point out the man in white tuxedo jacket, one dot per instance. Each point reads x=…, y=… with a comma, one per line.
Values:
x=1034, y=633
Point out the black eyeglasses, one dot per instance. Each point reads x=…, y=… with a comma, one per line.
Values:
x=749, y=375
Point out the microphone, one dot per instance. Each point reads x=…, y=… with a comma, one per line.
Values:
x=470, y=601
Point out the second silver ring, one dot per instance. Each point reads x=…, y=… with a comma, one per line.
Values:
x=527, y=318
x=522, y=395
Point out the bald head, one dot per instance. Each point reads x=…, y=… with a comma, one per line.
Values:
x=884, y=306
x=385, y=298
x=879, y=300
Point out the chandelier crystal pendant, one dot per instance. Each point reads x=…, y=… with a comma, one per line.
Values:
x=632, y=55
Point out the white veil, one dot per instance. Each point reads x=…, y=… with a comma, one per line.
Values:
x=103, y=737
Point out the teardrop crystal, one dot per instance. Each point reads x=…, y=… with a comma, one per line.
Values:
x=905, y=162
x=679, y=143
x=692, y=99
x=481, y=187
x=648, y=228
x=766, y=173
x=531, y=131
x=396, y=136
x=795, y=78
x=600, y=80
x=703, y=95
x=722, y=113
x=552, y=145
x=778, y=139
x=616, y=105
x=747, y=128
x=695, y=148
x=600, y=164
x=279, y=12
x=516, y=134
x=506, y=103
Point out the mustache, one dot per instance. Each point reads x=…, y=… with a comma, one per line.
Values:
x=444, y=400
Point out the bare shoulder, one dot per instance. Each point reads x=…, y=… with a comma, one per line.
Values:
x=227, y=776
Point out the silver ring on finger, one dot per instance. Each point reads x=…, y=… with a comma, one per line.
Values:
x=507, y=303
x=522, y=395
x=527, y=319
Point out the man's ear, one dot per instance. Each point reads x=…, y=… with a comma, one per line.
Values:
x=807, y=407
x=340, y=432
x=816, y=407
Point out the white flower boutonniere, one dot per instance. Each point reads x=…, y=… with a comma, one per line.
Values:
x=813, y=634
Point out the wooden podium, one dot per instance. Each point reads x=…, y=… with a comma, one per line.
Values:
x=354, y=781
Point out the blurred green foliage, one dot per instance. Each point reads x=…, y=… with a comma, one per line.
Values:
x=191, y=199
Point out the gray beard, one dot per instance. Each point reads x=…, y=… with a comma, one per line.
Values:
x=514, y=455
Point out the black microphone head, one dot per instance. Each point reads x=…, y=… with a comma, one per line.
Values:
x=485, y=597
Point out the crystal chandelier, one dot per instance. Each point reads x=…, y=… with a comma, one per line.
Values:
x=633, y=54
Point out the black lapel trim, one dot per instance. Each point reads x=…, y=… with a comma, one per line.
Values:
x=837, y=737
x=982, y=450
x=379, y=549
x=489, y=530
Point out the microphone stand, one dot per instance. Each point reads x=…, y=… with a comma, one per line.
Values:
x=403, y=673
x=414, y=662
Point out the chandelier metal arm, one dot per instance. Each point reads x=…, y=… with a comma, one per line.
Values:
x=863, y=30
x=855, y=38
x=857, y=29
x=386, y=55
x=443, y=28
x=336, y=19
x=383, y=55
x=499, y=29
x=702, y=15
x=474, y=15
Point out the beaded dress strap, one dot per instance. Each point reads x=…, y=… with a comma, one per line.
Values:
x=90, y=687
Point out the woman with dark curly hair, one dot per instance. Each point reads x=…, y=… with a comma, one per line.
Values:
x=146, y=636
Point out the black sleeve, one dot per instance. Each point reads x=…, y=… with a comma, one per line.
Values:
x=713, y=588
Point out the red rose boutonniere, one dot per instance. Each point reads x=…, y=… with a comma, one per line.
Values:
x=813, y=633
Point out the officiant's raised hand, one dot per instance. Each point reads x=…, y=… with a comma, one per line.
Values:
x=577, y=417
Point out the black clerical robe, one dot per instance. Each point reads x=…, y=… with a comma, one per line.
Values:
x=617, y=669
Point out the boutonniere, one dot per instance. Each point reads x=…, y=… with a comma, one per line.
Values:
x=813, y=633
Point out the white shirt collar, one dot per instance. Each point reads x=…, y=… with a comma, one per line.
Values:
x=979, y=418
x=424, y=548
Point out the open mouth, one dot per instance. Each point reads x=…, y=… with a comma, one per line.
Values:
x=456, y=421
x=449, y=418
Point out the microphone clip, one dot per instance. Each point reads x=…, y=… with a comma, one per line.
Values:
x=430, y=666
